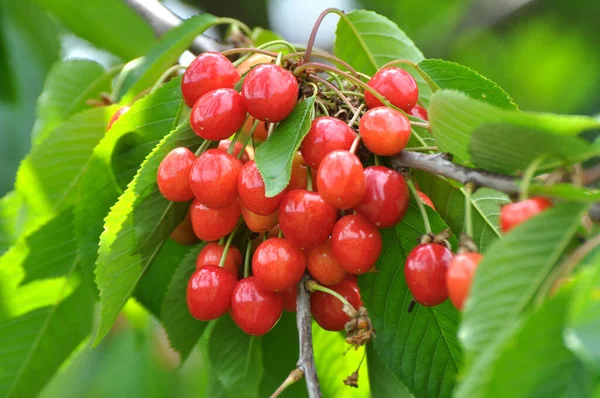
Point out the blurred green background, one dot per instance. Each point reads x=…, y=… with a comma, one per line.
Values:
x=544, y=53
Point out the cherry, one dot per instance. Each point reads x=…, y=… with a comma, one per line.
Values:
x=425, y=271
x=386, y=197
x=326, y=134
x=213, y=224
x=218, y=114
x=214, y=177
x=251, y=188
x=356, y=243
x=419, y=112
x=384, y=131
x=426, y=199
x=460, y=275
x=258, y=223
x=270, y=92
x=183, y=233
x=514, y=214
x=211, y=255
x=252, y=61
x=305, y=219
x=327, y=309
x=173, y=173
x=341, y=180
x=237, y=147
x=209, y=292
x=261, y=132
x=323, y=266
x=209, y=71
x=396, y=85
x=289, y=299
x=299, y=176
x=116, y=116
x=253, y=308
x=277, y=264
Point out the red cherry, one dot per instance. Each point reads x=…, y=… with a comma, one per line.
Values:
x=116, y=116
x=258, y=223
x=253, y=308
x=327, y=310
x=277, y=264
x=209, y=71
x=386, y=197
x=419, y=112
x=270, y=92
x=213, y=224
x=260, y=132
x=384, y=131
x=251, y=188
x=356, y=243
x=341, y=180
x=425, y=271
x=514, y=214
x=305, y=219
x=323, y=266
x=213, y=178
x=218, y=114
x=299, y=176
x=426, y=199
x=460, y=275
x=209, y=292
x=326, y=134
x=396, y=85
x=237, y=147
x=289, y=299
x=173, y=173
x=211, y=255
x=183, y=233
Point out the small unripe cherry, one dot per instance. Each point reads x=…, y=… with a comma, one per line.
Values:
x=258, y=223
x=173, y=174
x=341, y=180
x=253, y=308
x=278, y=265
x=514, y=214
x=460, y=276
x=396, y=85
x=426, y=199
x=326, y=134
x=211, y=255
x=356, y=243
x=209, y=292
x=237, y=147
x=419, y=112
x=328, y=310
x=425, y=271
x=218, y=114
x=213, y=224
x=116, y=116
x=384, y=131
x=214, y=178
x=209, y=71
x=323, y=266
x=251, y=188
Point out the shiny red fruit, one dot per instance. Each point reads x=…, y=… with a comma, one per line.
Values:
x=258, y=223
x=305, y=219
x=341, y=180
x=323, y=266
x=386, y=197
x=396, y=85
x=270, y=92
x=326, y=134
x=419, y=112
x=289, y=299
x=425, y=270
x=116, y=116
x=211, y=255
x=213, y=224
x=299, y=176
x=218, y=114
x=253, y=308
x=460, y=276
x=214, y=177
x=209, y=71
x=514, y=214
x=209, y=292
x=356, y=243
x=173, y=175
x=426, y=199
x=327, y=310
x=384, y=131
x=237, y=147
x=251, y=188
x=277, y=264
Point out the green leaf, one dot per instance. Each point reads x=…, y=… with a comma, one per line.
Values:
x=274, y=157
x=262, y=36
x=10, y=206
x=383, y=383
x=567, y=192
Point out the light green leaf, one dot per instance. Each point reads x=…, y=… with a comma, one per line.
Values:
x=10, y=206
x=383, y=383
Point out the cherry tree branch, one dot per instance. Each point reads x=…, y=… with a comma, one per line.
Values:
x=306, y=360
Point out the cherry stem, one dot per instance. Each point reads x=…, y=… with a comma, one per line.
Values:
x=424, y=125
x=422, y=209
x=312, y=286
x=129, y=66
x=235, y=22
x=280, y=233
x=356, y=115
x=222, y=241
x=247, y=259
x=468, y=209
x=294, y=376
x=334, y=89
x=248, y=50
x=313, y=34
x=338, y=81
x=322, y=106
x=164, y=77
x=345, y=92
x=433, y=85
x=376, y=159
x=235, y=138
x=247, y=138
x=202, y=148
x=309, y=186
x=228, y=243
x=329, y=57
x=279, y=58
x=421, y=148
x=354, y=146
x=528, y=176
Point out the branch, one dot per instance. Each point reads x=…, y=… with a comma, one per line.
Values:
x=306, y=360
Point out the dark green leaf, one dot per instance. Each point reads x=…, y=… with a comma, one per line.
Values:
x=383, y=383
x=567, y=192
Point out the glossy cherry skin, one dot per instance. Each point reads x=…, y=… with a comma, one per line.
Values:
x=341, y=180
x=251, y=188
x=237, y=147
x=261, y=132
x=426, y=199
x=386, y=197
x=209, y=292
x=258, y=223
x=211, y=255
x=326, y=134
x=356, y=243
x=323, y=266
x=213, y=224
x=270, y=92
x=305, y=219
x=253, y=308
x=218, y=114
x=116, y=116
x=183, y=233
x=173, y=175
x=425, y=270
x=460, y=275
x=289, y=299
x=209, y=71
x=384, y=131
x=396, y=85
x=514, y=214
x=327, y=310
x=419, y=112
x=214, y=177
x=299, y=176
x=277, y=264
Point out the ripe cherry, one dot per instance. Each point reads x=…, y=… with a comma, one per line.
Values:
x=116, y=116
x=425, y=271
x=214, y=177
x=277, y=264
x=218, y=114
x=460, y=275
x=253, y=308
x=386, y=197
x=173, y=174
x=419, y=112
x=251, y=188
x=323, y=266
x=212, y=224
x=261, y=132
x=183, y=233
x=211, y=255
x=270, y=92
x=209, y=71
x=514, y=214
x=258, y=223
x=237, y=147
x=384, y=131
x=426, y=199
x=356, y=243
x=305, y=219
x=289, y=299
x=209, y=292
x=341, y=180
x=326, y=134
x=299, y=176
x=396, y=85
x=327, y=309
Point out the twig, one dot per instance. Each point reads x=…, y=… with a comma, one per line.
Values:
x=306, y=360
x=293, y=377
